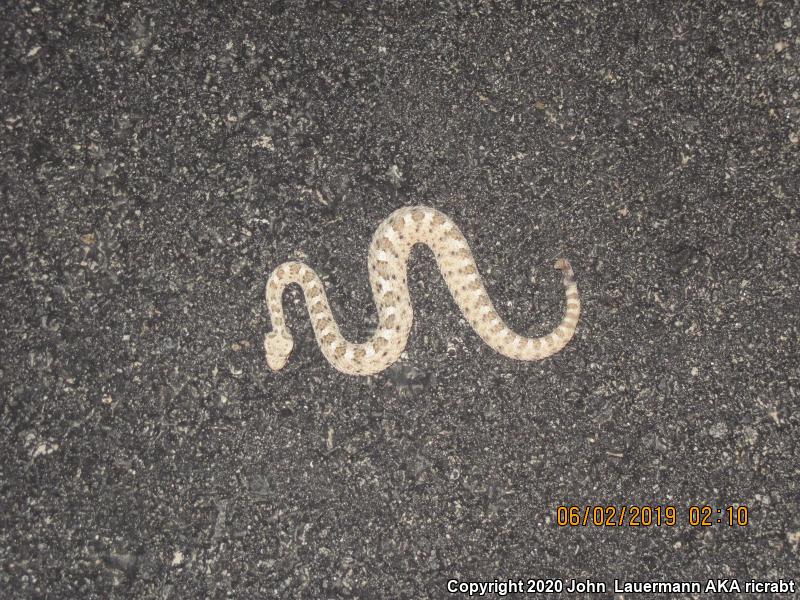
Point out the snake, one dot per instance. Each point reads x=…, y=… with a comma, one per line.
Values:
x=388, y=277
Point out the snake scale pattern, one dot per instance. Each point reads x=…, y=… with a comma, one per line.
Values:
x=388, y=255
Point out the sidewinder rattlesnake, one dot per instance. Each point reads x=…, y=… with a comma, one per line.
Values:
x=388, y=254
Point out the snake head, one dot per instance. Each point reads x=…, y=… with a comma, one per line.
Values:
x=278, y=347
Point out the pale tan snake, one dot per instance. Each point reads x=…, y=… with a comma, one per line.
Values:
x=388, y=254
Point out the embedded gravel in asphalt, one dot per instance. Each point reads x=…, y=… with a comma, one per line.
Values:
x=158, y=161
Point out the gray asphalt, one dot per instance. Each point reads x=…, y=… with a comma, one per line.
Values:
x=158, y=162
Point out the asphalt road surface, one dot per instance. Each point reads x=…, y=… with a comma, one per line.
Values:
x=159, y=161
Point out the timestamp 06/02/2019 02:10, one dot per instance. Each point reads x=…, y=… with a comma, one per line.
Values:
x=650, y=516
